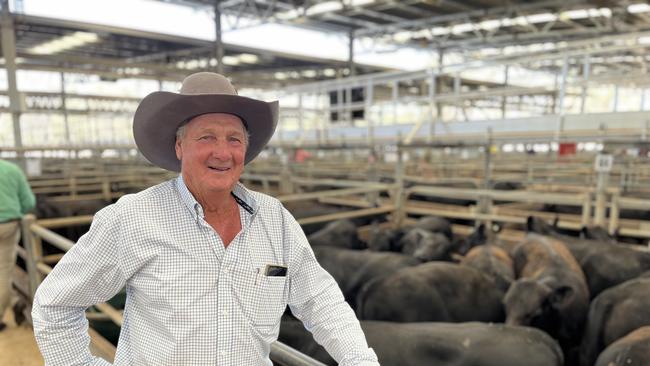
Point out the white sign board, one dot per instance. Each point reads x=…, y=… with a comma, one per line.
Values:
x=33, y=167
x=604, y=163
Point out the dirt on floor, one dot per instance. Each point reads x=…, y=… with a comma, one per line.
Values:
x=17, y=344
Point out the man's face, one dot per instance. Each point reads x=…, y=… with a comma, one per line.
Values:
x=212, y=151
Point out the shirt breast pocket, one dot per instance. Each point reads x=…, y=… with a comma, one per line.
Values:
x=264, y=299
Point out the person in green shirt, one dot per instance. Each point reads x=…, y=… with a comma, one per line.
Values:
x=16, y=199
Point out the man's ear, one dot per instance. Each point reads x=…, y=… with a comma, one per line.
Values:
x=179, y=149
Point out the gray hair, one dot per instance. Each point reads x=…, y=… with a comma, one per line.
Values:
x=180, y=131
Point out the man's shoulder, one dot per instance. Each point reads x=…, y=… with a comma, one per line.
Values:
x=9, y=167
x=147, y=198
x=264, y=200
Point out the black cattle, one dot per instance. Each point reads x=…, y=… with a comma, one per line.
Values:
x=433, y=291
x=441, y=344
x=425, y=245
x=550, y=293
x=596, y=233
x=631, y=350
x=339, y=233
x=605, y=264
x=613, y=314
x=493, y=262
x=479, y=236
x=435, y=225
x=354, y=268
x=383, y=239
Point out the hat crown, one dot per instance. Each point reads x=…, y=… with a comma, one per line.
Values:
x=207, y=83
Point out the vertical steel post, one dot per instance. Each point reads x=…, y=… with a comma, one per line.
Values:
x=368, y=105
x=351, y=65
x=64, y=109
x=9, y=54
x=505, y=85
x=218, y=43
x=33, y=257
x=432, y=106
x=560, y=105
x=585, y=78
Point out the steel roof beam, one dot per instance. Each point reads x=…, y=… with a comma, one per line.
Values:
x=466, y=16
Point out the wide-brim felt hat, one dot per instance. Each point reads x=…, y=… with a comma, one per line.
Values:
x=160, y=114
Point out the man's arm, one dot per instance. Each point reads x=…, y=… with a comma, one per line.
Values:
x=316, y=299
x=88, y=274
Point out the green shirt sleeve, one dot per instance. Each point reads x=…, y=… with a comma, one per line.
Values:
x=25, y=195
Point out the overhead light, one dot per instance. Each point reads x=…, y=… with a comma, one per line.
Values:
x=17, y=60
x=358, y=2
x=541, y=18
x=248, y=58
x=309, y=73
x=462, y=28
x=230, y=60
x=638, y=8
x=280, y=75
x=289, y=15
x=76, y=39
x=192, y=64
x=403, y=36
x=490, y=24
x=440, y=31
x=644, y=40
x=321, y=8
x=585, y=13
x=325, y=7
x=329, y=72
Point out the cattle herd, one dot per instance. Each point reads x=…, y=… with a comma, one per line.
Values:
x=425, y=297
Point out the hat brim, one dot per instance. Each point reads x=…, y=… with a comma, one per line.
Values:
x=160, y=113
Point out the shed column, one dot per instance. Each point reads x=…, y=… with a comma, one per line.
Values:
x=9, y=53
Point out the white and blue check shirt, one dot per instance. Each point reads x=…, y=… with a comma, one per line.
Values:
x=190, y=301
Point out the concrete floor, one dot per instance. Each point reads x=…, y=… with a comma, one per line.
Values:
x=17, y=344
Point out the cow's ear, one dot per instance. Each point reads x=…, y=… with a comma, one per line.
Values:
x=560, y=296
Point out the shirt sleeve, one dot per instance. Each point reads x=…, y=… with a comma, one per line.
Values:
x=316, y=299
x=25, y=195
x=88, y=274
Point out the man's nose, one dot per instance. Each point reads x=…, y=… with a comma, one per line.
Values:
x=221, y=150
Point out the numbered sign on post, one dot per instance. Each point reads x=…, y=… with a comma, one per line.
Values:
x=604, y=163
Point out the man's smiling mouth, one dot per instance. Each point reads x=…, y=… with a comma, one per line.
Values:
x=219, y=169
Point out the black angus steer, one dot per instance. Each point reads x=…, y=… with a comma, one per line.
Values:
x=613, y=314
x=550, y=293
x=493, y=262
x=631, y=350
x=604, y=263
x=339, y=233
x=441, y=344
x=425, y=245
x=352, y=269
x=433, y=291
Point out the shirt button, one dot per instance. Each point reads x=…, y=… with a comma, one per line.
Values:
x=222, y=353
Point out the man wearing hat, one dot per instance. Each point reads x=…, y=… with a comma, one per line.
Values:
x=209, y=266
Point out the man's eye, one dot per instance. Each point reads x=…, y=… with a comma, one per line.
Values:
x=234, y=139
x=206, y=137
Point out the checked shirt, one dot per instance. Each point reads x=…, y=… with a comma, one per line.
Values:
x=190, y=301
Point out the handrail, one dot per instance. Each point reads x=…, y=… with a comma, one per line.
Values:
x=287, y=356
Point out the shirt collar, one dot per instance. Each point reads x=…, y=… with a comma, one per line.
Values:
x=241, y=194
